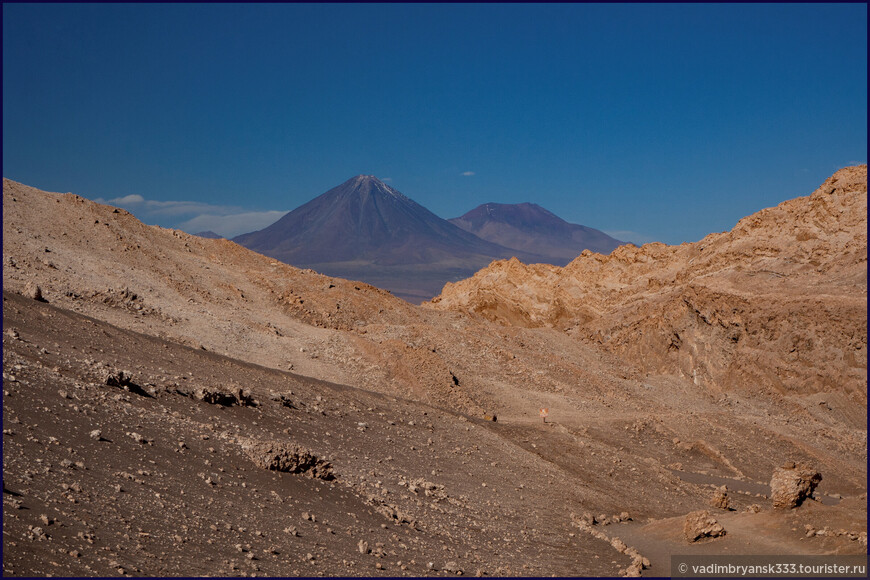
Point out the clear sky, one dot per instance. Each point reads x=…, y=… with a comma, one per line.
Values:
x=651, y=122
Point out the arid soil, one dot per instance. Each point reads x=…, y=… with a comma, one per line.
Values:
x=234, y=361
x=776, y=304
x=150, y=480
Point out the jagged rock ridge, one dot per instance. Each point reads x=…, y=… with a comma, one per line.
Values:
x=779, y=302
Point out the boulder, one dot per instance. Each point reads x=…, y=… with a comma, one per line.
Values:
x=115, y=378
x=792, y=483
x=702, y=524
x=453, y=568
x=720, y=499
x=225, y=398
x=288, y=457
x=33, y=291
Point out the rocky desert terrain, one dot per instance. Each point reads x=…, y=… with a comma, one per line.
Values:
x=175, y=405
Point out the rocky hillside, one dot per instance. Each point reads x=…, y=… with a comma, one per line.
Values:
x=218, y=296
x=210, y=294
x=778, y=303
x=264, y=473
x=148, y=370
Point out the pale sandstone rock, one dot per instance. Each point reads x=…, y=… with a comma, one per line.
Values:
x=702, y=524
x=792, y=483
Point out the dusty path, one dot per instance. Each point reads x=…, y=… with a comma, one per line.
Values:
x=764, y=533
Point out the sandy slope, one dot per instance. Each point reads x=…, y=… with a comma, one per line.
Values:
x=181, y=502
x=625, y=422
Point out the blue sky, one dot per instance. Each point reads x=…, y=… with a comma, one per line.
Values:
x=663, y=122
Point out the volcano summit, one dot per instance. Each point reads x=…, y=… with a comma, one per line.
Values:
x=530, y=228
x=366, y=230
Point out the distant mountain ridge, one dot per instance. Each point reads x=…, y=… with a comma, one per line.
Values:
x=777, y=303
x=364, y=219
x=209, y=235
x=530, y=228
x=366, y=230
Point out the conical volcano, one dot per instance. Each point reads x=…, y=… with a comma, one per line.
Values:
x=366, y=230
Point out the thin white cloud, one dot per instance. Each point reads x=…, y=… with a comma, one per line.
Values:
x=231, y=225
x=180, y=208
x=128, y=199
x=388, y=179
x=196, y=216
x=144, y=208
x=467, y=173
x=630, y=236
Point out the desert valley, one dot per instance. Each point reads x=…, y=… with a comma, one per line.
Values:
x=179, y=405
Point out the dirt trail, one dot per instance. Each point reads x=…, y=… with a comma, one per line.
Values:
x=764, y=533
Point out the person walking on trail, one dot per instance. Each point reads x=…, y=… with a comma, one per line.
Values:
x=544, y=413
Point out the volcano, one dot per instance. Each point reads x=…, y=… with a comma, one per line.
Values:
x=529, y=228
x=366, y=230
